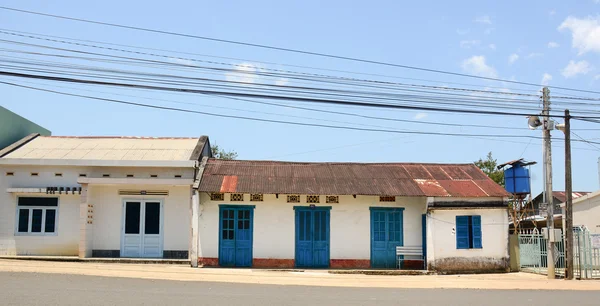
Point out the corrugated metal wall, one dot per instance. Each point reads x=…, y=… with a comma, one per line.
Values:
x=14, y=127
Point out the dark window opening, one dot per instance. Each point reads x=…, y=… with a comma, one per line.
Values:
x=49, y=226
x=23, y=220
x=36, y=221
x=152, y=225
x=132, y=217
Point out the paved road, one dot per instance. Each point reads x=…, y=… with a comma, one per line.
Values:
x=59, y=289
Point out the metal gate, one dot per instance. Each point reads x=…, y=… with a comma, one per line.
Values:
x=586, y=253
x=533, y=252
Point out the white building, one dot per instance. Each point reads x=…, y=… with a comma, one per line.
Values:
x=98, y=196
x=349, y=215
x=166, y=198
x=586, y=211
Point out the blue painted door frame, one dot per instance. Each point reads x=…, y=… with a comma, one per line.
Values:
x=236, y=224
x=387, y=232
x=312, y=236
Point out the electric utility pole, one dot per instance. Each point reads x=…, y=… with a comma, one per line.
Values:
x=548, y=180
x=569, y=201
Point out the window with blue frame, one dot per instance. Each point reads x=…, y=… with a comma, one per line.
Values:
x=468, y=232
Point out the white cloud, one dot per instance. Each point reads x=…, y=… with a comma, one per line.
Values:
x=534, y=55
x=492, y=46
x=585, y=32
x=488, y=31
x=597, y=77
x=244, y=72
x=513, y=58
x=476, y=65
x=546, y=78
x=483, y=19
x=468, y=44
x=553, y=44
x=282, y=82
x=552, y=12
x=575, y=68
x=420, y=116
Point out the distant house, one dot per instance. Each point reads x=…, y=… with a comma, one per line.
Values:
x=167, y=198
x=14, y=127
x=539, y=210
x=586, y=212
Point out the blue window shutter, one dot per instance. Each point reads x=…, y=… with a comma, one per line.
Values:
x=476, y=227
x=462, y=232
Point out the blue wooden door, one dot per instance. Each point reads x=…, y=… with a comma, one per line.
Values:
x=312, y=237
x=386, y=235
x=235, y=237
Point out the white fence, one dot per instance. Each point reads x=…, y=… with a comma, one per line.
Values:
x=533, y=254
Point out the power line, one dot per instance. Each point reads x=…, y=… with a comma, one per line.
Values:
x=278, y=97
x=479, y=136
x=285, y=74
x=285, y=49
x=263, y=62
x=261, y=119
x=587, y=141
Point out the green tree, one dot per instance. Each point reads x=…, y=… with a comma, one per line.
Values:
x=489, y=167
x=219, y=153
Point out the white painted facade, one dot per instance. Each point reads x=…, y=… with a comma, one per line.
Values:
x=274, y=225
x=442, y=251
x=586, y=212
x=74, y=236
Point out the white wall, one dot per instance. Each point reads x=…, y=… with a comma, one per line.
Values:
x=274, y=225
x=66, y=240
x=442, y=253
x=586, y=211
x=107, y=209
x=108, y=215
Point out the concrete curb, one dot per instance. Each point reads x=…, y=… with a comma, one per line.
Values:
x=100, y=260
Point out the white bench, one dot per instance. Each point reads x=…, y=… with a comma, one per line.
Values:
x=413, y=252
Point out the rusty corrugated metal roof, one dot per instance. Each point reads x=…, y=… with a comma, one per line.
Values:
x=393, y=179
x=562, y=196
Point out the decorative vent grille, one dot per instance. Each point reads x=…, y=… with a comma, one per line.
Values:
x=144, y=192
x=177, y=175
x=105, y=175
x=217, y=197
x=293, y=198
x=10, y=173
x=129, y=175
x=82, y=175
x=387, y=199
x=34, y=174
x=153, y=175
x=257, y=197
x=312, y=199
x=332, y=199
x=237, y=197
x=57, y=174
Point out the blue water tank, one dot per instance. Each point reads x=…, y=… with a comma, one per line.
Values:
x=516, y=179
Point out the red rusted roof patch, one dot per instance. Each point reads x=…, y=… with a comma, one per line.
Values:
x=229, y=183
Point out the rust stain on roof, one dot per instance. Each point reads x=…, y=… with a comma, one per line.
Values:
x=393, y=179
x=562, y=196
x=229, y=184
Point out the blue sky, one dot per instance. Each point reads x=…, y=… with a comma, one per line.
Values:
x=546, y=42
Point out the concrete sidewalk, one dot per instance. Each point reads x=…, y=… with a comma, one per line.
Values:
x=306, y=278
